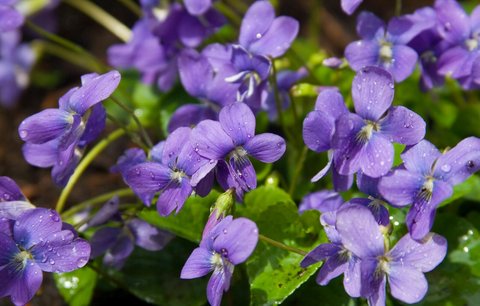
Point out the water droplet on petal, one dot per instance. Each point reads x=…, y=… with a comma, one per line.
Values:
x=23, y=134
x=446, y=168
x=52, y=262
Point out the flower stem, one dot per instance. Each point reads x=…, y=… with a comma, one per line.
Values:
x=398, y=7
x=298, y=170
x=132, y=6
x=102, y=17
x=142, y=130
x=281, y=245
x=82, y=166
x=228, y=12
x=67, y=55
x=125, y=192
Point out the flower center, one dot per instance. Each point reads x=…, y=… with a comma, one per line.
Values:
x=177, y=175
x=471, y=44
x=367, y=130
x=383, y=266
x=427, y=189
x=428, y=57
x=386, y=52
x=21, y=258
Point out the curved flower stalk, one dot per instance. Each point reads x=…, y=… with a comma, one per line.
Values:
x=427, y=178
x=56, y=137
x=229, y=243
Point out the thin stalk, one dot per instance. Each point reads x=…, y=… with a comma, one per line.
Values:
x=142, y=130
x=67, y=44
x=281, y=245
x=101, y=199
x=82, y=166
x=229, y=13
x=398, y=7
x=102, y=17
x=298, y=170
x=134, y=137
x=132, y=6
x=67, y=55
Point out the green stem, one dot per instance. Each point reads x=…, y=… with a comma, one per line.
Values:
x=398, y=7
x=228, y=12
x=143, y=132
x=102, y=17
x=134, y=137
x=82, y=166
x=298, y=170
x=96, y=65
x=67, y=55
x=276, y=92
x=125, y=192
x=132, y=6
x=281, y=245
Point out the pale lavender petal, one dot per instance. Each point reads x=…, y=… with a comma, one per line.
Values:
x=211, y=141
x=130, y=158
x=362, y=53
x=323, y=201
x=13, y=209
x=407, y=283
x=403, y=126
x=347, y=153
x=330, y=102
x=403, y=63
x=239, y=239
x=277, y=39
x=118, y=254
x=320, y=253
x=174, y=144
x=190, y=115
x=454, y=24
x=94, y=91
x=148, y=236
x=349, y=6
x=369, y=26
x=455, y=62
x=318, y=129
x=266, y=147
x=8, y=249
x=36, y=225
x=377, y=156
x=9, y=190
x=402, y=29
x=424, y=255
x=341, y=182
x=420, y=158
x=372, y=92
x=421, y=215
x=242, y=171
x=198, y=264
x=368, y=185
x=45, y=126
x=146, y=179
x=95, y=124
x=10, y=19
x=238, y=121
x=26, y=284
x=202, y=172
x=173, y=197
x=352, y=280
x=256, y=22
x=62, y=253
x=359, y=231
x=195, y=72
x=218, y=283
x=457, y=164
x=333, y=267
x=324, y=170
x=400, y=187
x=105, y=213
x=197, y=7
x=377, y=296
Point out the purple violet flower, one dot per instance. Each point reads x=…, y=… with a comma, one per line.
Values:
x=37, y=241
x=197, y=7
x=404, y=265
x=463, y=32
x=227, y=143
x=323, y=201
x=229, y=243
x=427, y=178
x=349, y=6
x=16, y=60
x=55, y=137
x=12, y=201
x=171, y=175
x=117, y=243
x=318, y=132
x=364, y=140
x=386, y=46
x=10, y=18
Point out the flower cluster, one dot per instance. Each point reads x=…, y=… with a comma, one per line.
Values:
x=33, y=240
x=443, y=39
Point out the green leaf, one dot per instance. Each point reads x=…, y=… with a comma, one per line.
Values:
x=155, y=276
x=76, y=287
x=468, y=190
x=275, y=273
x=189, y=222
